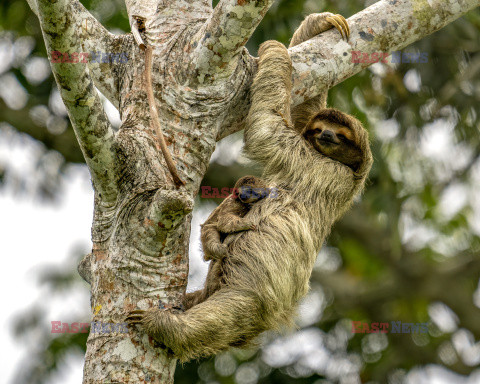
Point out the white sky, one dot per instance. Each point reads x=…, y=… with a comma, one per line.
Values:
x=34, y=235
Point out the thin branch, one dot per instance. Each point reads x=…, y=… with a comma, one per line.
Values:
x=91, y=125
x=155, y=119
x=224, y=35
x=326, y=60
x=138, y=25
x=94, y=38
x=386, y=26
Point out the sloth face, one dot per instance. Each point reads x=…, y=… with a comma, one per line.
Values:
x=334, y=140
x=251, y=194
x=250, y=189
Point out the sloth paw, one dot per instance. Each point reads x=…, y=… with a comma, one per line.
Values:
x=135, y=317
x=339, y=22
x=146, y=319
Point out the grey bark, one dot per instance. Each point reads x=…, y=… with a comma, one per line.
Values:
x=201, y=74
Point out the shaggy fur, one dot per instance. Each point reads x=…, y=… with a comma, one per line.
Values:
x=227, y=218
x=313, y=25
x=267, y=270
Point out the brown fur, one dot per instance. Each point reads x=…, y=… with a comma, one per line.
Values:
x=330, y=133
x=268, y=270
x=227, y=218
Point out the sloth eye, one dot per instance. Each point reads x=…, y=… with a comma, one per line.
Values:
x=342, y=137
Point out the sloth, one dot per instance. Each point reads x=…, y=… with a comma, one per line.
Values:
x=317, y=175
x=228, y=217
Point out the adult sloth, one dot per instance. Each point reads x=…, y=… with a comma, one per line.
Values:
x=267, y=270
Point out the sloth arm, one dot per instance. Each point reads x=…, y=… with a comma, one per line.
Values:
x=269, y=135
x=233, y=223
x=226, y=219
x=212, y=245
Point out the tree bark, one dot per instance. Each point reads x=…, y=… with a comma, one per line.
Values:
x=201, y=78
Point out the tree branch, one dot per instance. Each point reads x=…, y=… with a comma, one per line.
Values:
x=224, y=35
x=91, y=125
x=326, y=60
x=385, y=26
x=94, y=38
x=164, y=17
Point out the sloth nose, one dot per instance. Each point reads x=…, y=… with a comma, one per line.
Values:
x=328, y=135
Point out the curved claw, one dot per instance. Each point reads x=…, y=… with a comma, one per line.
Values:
x=135, y=317
x=339, y=22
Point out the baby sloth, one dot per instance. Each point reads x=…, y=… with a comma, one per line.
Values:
x=227, y=218
x=318, y=158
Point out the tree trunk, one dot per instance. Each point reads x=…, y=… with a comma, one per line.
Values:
x=201, y=79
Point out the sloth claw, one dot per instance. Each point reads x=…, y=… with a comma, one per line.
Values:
x=135, y=317
x=339, y=22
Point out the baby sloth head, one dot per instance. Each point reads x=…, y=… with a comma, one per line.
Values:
x=333, y=133
x=250, y=189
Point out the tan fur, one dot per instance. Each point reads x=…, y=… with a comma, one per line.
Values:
x=312, y=25
x=227, y=218
x=268, y=270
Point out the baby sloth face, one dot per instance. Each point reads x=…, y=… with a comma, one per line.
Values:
x=334, y=140
x=250, y=189
x=250, y=194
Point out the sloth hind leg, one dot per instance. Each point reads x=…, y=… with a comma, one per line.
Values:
x=227, y=318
